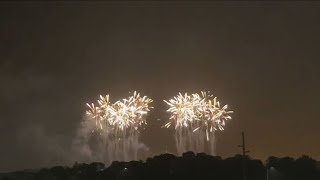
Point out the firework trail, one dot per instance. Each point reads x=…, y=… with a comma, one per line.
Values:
x=195, y=118
x=118, y=125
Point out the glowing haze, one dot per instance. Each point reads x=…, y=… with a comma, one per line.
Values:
x=260, y=58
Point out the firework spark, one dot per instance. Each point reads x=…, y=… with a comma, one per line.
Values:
x=197, y=111
x=123, y=114
x=117, y=126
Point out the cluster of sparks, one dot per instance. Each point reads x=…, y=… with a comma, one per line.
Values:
x=197, y=111
x=122, y=115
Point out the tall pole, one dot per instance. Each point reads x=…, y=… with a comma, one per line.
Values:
x=243, y=145
x=243, y=157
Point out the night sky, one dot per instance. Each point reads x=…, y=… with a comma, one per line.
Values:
x=262, y=59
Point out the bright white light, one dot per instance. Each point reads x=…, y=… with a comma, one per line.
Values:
x=198, y=111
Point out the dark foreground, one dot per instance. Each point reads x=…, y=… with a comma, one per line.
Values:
x=189, y=166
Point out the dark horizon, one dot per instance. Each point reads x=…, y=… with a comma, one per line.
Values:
x=260, y=58
x=187, y=166
x=186, y=154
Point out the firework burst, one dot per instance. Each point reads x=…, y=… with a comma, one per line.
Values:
x=197, y=111
x=117, y=125
x=122, y=115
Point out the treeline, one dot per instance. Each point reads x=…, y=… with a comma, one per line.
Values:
x=189, y=166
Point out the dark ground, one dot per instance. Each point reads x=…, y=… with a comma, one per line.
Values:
x=189, y=166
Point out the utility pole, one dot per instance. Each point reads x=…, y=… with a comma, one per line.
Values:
x=244, y=152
